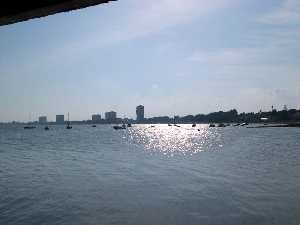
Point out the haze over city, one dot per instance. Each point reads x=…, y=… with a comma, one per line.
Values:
x=174, y=57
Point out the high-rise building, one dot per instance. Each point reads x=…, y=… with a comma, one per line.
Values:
x=43, y=119
x=96, y=118
x=60, y=119
x=111, y=116
x=140, y=113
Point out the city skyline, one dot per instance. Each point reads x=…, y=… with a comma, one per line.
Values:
x=175, y=57
x=51, y=118
x=111, y=116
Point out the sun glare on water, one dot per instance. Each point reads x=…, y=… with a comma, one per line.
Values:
x=171, y=140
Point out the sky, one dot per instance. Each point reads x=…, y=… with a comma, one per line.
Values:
x=175, y=57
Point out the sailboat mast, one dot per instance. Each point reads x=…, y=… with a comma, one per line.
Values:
x=68, y=123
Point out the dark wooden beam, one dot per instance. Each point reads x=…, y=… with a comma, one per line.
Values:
x=13, y=11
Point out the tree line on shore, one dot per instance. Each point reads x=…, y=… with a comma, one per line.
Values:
x=232, y=116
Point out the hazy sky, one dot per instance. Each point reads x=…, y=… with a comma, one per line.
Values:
x=173, y=56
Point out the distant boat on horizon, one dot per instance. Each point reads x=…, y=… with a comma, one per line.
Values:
x=174, y=122
x=119, y=127
x=29, y=127
x=68, y=123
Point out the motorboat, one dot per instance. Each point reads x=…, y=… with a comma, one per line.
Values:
x=29, y=127
x=119, y=127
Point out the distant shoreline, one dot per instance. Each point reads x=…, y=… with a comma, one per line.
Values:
x=291, y=116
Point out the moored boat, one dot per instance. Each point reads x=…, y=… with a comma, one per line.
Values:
x=29, y=127
x=119, y=127
x=68, y=123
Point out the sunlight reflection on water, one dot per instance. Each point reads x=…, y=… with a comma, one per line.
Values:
x=171, y=140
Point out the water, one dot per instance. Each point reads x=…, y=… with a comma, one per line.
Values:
x=143, y=175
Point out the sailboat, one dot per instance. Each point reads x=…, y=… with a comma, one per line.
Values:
x=30, y=125
x=68, y=123
x=175, y=122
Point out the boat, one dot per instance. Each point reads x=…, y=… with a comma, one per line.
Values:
x=236, y=125
x=193, y=125
x=119, y=127
x=68, y=123
x=29, y=127
x=221, y=125
x=94, y=126
x=46, y=128
x=174, y=122
x=212, y=125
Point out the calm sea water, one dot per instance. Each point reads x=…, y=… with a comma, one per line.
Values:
x=143, y=175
